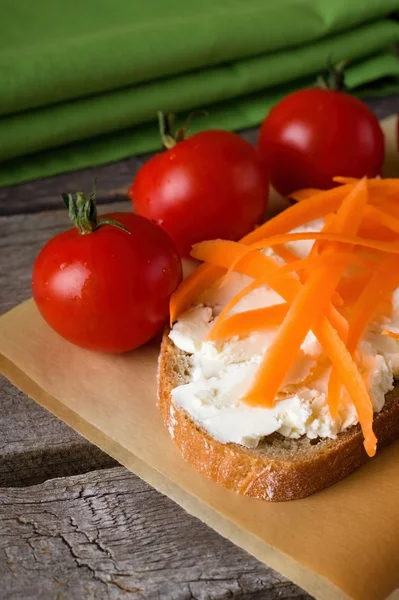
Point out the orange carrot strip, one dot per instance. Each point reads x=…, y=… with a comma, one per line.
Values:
x=350, y=288
x=334, y=392
x=304, y=312
x=209, y=248
x=370, y=229
x=383, y=218
x=305, y=194
x=383, y=281
x=342, y=224
x=380, y=186
x=316, y=206
x=351, y=378
x=286, y=254
x=381, y=189
x=299, y=214
x=345, y=180
x=350, y=214
x=391, y=333
x=246, y=322
x=214, y=331
x=275, y=280
x=191, y=288
x=374, y=182
x=253, y=264
x=389, y=203
x=334, y=389
x=294, y=216
x=289, y=256
x=318, y=245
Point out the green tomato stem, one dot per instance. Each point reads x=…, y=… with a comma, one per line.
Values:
x=334, y=77
x=166, y=122
x=82, y=211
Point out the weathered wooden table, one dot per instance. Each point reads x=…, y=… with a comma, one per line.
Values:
x=73, y=524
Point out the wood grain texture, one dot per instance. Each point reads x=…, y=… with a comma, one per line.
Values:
x=115, y=178
x=35, y=446
x=107, y=535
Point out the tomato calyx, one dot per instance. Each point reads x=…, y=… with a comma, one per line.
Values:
x=166, y=124
x=82, y=211
x=334, y=77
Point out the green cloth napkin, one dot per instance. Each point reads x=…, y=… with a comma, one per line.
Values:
x=81, y=81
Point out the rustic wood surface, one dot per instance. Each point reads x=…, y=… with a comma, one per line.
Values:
x=73, y=525
x=107, y=534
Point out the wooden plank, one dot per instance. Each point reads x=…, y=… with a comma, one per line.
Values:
x=34, y=445
x=35, y=196
x=108, y=535
x=115, y=178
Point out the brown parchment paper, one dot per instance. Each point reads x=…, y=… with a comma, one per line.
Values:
x=340, y=543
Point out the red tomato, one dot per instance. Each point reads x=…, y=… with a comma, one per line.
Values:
x=315, y=134
x=211, y=185
x=107, y=290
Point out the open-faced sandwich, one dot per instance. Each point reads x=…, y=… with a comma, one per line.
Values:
x=276, y=378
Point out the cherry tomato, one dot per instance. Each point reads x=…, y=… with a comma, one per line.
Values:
x=211, y=185
x=315, y=134
x=107, y=289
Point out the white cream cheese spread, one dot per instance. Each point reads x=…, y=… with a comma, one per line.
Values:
x=223, y=372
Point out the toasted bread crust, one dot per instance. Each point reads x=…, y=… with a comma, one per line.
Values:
x=257, y=474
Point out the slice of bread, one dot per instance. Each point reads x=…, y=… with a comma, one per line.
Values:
x=279, y=468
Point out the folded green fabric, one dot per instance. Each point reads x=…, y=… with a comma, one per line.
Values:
x=80, y=82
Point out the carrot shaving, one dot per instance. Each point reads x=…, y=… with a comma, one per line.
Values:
x=191, y=288
x=286, y=254
x=210, y=248
x=352, y=380
x=383, y=282
x=382, y=218
x=372, y=229
x=275, y=280
x=391, y=333
x=381, y=190
x=318, y=245
x=298, y=214
x=374, y=182
x=305, y=194
x=353, y=264
x=246, y=322
x=223, y=253
x=345, y=180
x=304, y=313
x=289, y=256
x=334, y=393
x=351, y=287
x=319, y=205
x=281, y=354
